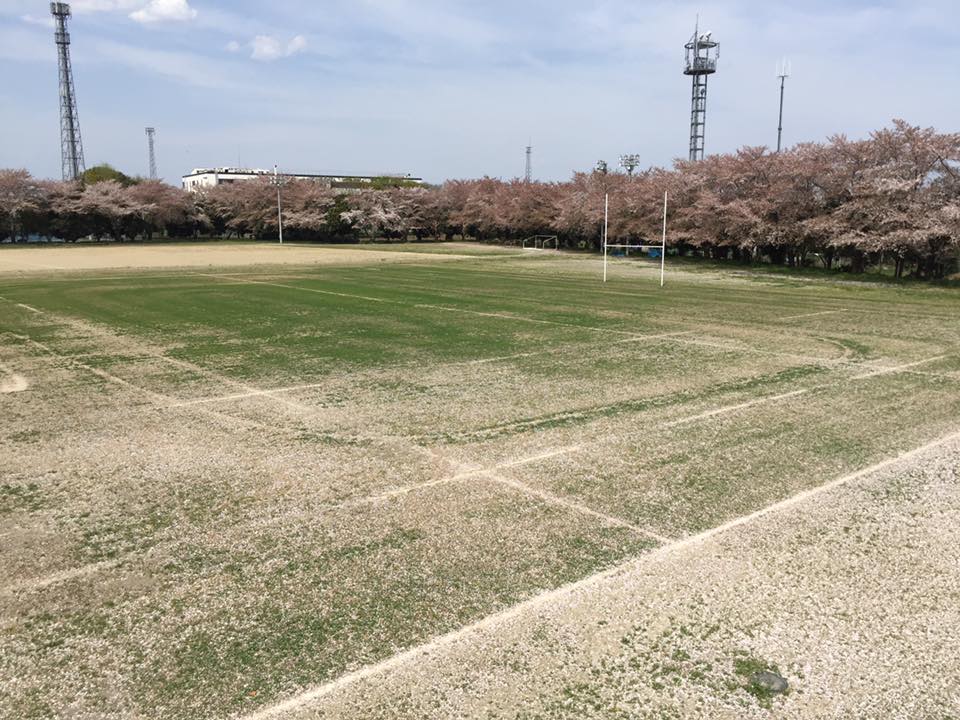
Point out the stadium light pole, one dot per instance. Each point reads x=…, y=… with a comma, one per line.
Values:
x=276, y=180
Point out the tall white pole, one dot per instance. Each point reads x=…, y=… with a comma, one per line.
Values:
x=606, y=216
x=663, y=247
x=276, y=179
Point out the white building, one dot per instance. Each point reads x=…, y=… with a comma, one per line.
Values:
x=210, y=177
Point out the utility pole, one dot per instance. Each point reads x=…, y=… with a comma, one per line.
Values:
x=783, y=72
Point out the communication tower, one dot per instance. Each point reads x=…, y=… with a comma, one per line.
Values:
x=528, y=174
x=783, y=72
x=701, y=62
x=71, y=147
x=151, y=133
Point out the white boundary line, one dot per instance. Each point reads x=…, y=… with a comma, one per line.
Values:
x=306, y=697
x=505, y=316
x=739, y=406
x=575, y=506
x=898, y=368
x=814, y=314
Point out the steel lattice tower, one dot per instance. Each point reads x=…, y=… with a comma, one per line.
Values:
x=528, y=174
x=71, y=146
x=701, y=62
x=151, y=133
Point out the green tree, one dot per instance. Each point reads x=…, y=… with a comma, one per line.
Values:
x=105, y=172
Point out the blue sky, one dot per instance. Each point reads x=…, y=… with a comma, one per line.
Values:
x=451, y=88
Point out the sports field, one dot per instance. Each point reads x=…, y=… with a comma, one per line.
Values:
x=308, y=482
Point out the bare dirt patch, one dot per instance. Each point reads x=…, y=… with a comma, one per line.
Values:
x=105, y=257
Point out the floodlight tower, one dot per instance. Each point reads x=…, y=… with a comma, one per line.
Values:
x=630, y=163
x=783, y=72
x=71, y=147
x=151, y=134
x=528, y=174
x=701, y=62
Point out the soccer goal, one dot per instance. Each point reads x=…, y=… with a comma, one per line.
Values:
x=661, y=248
x=541, y=242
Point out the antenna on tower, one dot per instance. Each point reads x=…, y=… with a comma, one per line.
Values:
x=151, y=133
x=528, y=175
x=783, y=72
x=701, y=62
x=71, y=146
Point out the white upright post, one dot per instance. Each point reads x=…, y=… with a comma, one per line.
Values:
x=606, y=216
x=663, y=246
x=276, y=180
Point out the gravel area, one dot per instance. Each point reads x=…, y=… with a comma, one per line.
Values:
x=853, y=595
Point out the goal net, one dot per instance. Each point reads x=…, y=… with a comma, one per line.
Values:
x=541, y=242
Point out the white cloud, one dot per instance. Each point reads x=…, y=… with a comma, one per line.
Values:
x=269, y=47
x=164, y=11
x=83, y=6
x=31, y=20
x=233, y=46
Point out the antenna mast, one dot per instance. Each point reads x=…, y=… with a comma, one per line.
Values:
x=71, y=146
x=701, y=62
x=151, y=133
x=528, y=174
x=783, y=72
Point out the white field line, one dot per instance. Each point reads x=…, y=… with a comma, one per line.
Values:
x=573, y=505
x=814, y=314
x=546, y=455
x=585, y=584
x=34, y=584
x=159, y=400
x=829, y=362
x=504, y=316
x=899, y=368
x=235, y=280
x=784, y=396
x=31, y=309
x=313, y=386
x=244, y=395
x=464, y=472
x=739, y=406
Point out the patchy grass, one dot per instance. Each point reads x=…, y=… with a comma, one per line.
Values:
x=231, y=486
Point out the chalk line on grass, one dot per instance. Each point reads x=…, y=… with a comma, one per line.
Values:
x=307, y=697
x=573, y=505
x=34, y=584
x=814, y=314
x=427, y=306
x=899, y=368
x=738, y=406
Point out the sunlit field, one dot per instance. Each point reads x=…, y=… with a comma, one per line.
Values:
x=390, y=483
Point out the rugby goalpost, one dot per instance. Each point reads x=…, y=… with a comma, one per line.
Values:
x=662, y=247
x=540, y=242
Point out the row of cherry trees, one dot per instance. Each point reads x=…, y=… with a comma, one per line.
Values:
x=894, y=197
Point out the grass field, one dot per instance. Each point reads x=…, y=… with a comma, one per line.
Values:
x=386, y=483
